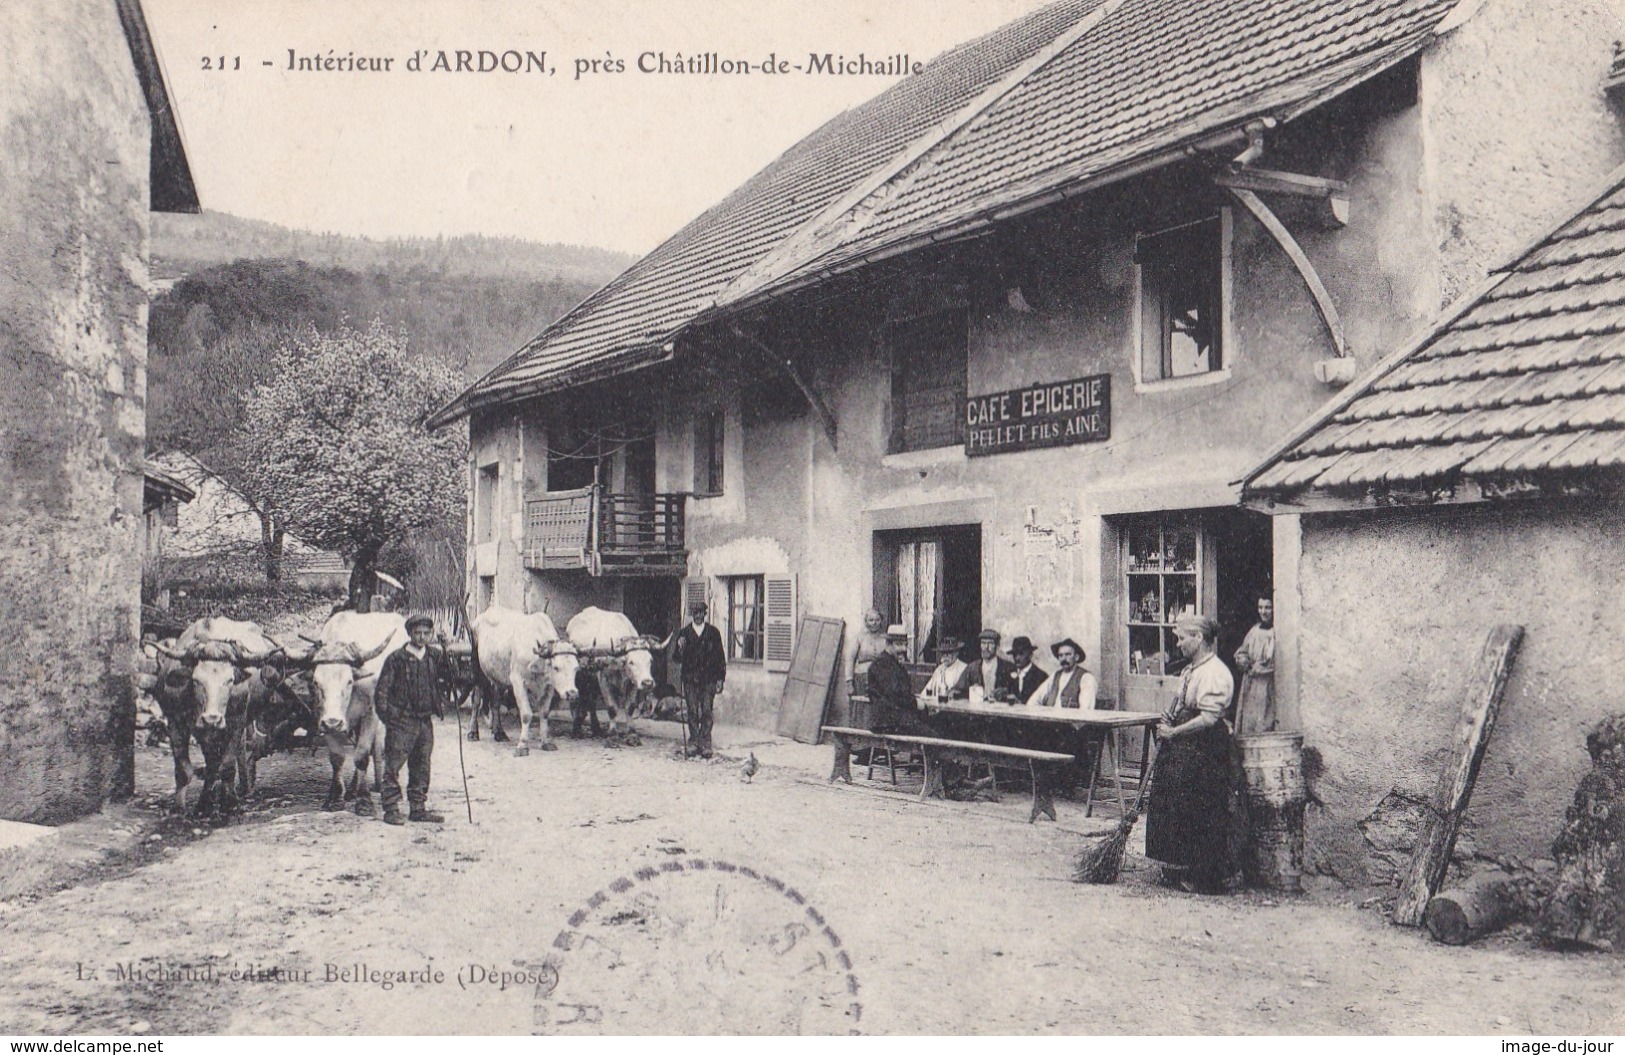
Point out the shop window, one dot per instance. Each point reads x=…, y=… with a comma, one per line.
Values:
x=928, y=382
x=708, y=447
x=1164, y=569
x=746, y=625
x=487, y=502
x=1181, y=273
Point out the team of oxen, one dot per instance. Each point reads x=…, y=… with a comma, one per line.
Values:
x=230, y=687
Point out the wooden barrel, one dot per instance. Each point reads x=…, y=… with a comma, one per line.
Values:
x=1272, y=777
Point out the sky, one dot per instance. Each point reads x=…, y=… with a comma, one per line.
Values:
x=611, y=156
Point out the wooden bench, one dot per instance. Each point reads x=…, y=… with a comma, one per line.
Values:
x=1042, y=766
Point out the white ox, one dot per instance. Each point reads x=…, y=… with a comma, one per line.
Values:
x=523, y=653
x=625, y=677
x=195, y=687
x=349, y=654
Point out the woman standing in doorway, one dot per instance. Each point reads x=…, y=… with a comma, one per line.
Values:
x=871, y=645
x=1188, y=822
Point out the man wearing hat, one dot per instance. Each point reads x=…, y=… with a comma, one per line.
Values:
x=408, y=699
x=992, y=670
x=1071, y=685
x=951, y=679
x=891, y=690
x=705, y=669
x=1025, y=676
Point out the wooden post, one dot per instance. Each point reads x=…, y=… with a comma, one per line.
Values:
x=1480, y=702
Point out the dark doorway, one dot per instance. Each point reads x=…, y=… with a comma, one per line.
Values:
x=1244, y=544
x=653, y=606
x=930, y=581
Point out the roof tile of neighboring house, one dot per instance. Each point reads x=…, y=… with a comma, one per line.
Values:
x=1526, y=377
x=1056, y=98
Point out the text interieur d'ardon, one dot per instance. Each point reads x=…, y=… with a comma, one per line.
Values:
x=528, y=62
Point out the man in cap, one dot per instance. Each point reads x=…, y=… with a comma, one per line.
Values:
x=1071, y=685
x=1025, y=676
x=408, y=699
x=951, y=679
x=705, y=669
x=992, y=670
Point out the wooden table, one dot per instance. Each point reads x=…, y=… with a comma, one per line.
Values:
x=1104, y=724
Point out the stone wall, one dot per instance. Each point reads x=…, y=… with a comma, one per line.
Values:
x=73, y=301
x=1395, y=608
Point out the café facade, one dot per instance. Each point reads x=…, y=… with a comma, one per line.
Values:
x=995, y=348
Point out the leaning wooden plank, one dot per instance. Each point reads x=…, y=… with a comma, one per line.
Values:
x=1480, y=702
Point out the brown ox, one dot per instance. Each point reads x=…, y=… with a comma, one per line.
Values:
x=194, y=686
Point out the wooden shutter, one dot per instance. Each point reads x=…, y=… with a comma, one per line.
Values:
x=811, y=679
x=780, y=604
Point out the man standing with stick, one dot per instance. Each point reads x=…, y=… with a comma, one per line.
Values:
x=408, y=700
x=705, y=668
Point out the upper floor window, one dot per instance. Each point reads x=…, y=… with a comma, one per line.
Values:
x=928, y=382
x=708, y=447
x=1181, y=300
x=487, y=507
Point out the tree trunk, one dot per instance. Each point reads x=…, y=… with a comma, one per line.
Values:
x=364, y=577
x=1485, y=903
x=272, y=538
x=1587, y=905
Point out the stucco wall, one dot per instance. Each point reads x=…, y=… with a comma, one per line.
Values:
x=1394, y=610
x=1515, y=126
x=73, y=191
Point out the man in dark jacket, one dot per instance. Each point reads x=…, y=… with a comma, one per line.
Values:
x=705, y=668
x=408, y=699
x=1025, y=676
x=891, y=690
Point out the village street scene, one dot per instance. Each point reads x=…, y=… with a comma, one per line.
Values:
x=990, y=517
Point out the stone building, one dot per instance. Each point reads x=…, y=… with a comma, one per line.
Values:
x=995, y=348
x=1472, y=478
x=88, y=148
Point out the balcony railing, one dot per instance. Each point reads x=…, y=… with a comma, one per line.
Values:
x=605, y=533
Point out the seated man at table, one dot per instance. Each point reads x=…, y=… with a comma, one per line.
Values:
x=891, y=690
x=991, y=670
x=951, y=679
x=1025, y=677
x=1071, y=686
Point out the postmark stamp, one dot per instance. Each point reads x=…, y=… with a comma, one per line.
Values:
x=697, y=947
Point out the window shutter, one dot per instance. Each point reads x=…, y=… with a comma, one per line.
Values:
x=780, y=645
x=695, y=591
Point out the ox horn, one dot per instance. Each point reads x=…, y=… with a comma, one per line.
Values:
x=174, y=654
x=361, y=660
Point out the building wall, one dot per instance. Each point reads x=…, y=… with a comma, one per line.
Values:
x=1395, y=609
x=1441, y=173
x=74, y=191
x=1516, y=126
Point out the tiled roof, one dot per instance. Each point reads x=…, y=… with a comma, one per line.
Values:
x=1052, y=100
x=1527, y=376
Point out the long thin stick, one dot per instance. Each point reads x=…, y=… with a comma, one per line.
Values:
x=458, y=707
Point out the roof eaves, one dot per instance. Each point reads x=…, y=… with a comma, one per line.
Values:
x=1203, y=141
x=1332, y=407
x=621, y=361
x=171, y=188
x=765, y=272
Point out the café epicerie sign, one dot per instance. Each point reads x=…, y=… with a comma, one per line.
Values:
x=1049, y=415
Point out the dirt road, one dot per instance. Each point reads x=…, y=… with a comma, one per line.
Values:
x=623, y=890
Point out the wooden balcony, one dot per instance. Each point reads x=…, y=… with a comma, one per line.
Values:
x=605, y=533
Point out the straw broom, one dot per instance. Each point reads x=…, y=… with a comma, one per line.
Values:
x=1101, y=862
